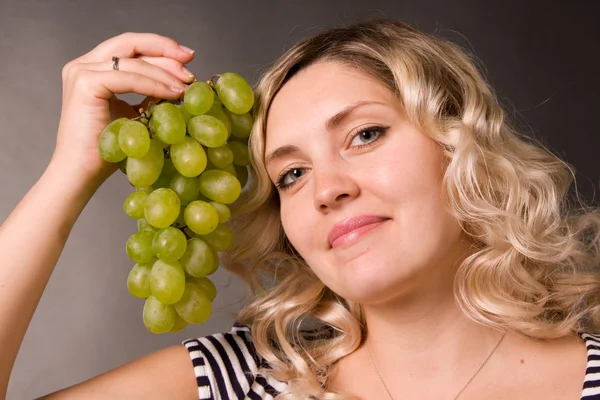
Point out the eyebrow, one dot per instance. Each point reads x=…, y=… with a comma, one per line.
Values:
x=331, y=124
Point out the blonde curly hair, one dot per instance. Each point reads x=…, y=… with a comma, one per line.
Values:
x=535, y=266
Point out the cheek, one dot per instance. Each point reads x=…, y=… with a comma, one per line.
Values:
x=410, y=183
x=296, y=225
x=410, y=170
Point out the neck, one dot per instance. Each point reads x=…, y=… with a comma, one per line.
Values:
x=423, y=325
x=424, y=332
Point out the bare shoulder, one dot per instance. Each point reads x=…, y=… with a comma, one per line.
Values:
x=164, y=374
x=522, y=368
x=551, y=369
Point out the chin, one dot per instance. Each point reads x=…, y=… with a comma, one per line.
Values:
x=372, y=288
x=369, y=296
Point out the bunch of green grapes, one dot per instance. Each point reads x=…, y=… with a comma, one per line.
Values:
x=187, y=161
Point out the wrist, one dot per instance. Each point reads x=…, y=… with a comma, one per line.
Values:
x=85, y=168
x=75, y=182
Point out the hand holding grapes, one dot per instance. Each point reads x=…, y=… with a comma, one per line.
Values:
x=183, y=182
x=186, y=161
x=149, y=64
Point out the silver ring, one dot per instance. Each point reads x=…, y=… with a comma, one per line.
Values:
x=115, y=63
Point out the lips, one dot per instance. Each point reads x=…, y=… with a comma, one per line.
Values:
x=352, y=229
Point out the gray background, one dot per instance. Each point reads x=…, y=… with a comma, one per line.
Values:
x=540, y=58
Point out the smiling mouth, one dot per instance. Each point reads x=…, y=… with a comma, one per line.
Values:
x=350, y=236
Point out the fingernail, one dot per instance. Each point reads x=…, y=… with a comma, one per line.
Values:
x=186, y=49
x=177, y=89
x=187, y=72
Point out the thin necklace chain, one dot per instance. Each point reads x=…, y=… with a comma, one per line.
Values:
x=461, y=390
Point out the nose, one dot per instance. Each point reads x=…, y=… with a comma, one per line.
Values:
x=333, y=186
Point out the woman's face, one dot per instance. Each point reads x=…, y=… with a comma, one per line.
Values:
x=360, y=187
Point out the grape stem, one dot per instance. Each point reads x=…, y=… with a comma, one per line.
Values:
x=211, y=81
x=144, y=112
x=145, y=115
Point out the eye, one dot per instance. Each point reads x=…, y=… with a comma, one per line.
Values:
x=288, y=177
x=367, y=136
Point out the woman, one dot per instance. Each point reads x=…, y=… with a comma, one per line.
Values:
x=410, y=243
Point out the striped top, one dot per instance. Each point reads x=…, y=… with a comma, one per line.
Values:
x=591, y=385
x=225, y=365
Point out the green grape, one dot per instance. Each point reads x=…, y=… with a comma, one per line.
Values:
x=166, y=174
x=209, y=164
x=198, y=259
x=138, y=281
x=108, y=144
x=189, y=157
x=223, y=211
x=241, y=155
x=169, y=244
x=198, y=98
x=162, y=207
x=185, y=113
x=158, y=317
x=220, y=157
x=180, y=221
x=220, y=238
x=186, y=188
x=180, y=324
x=219, y=186
x=147, y=190
x=241, y=174
x=209, y=131
x=235, y=93
x=241, y=124
x=229, y=168
x=188, y=232
x=167, y=281
x=203, y=198
x=144, y=225
x=144, y=171
x=205, y=285
x=161, y=182
x=201, y=217
x=134, y=139
x=167, y=123
x=168, y=169
x=195, y=306
x=162, y=145
x=218, y=111
x=139, y=247
x=134, y=204
x=215, y=265
x=238, y=139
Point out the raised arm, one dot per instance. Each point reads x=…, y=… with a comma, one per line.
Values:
x=33, y=236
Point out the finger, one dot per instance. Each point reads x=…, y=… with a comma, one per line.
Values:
x=173, y=66
x=104, y=84
x=133, y=44
x=131, y=65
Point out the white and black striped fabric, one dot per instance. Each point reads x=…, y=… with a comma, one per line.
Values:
x=225, y=365
x=591, y=386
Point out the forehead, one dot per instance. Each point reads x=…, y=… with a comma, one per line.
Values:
x=316, y=93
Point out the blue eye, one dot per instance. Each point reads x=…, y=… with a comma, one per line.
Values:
x=368, y=135
x=288, y=177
